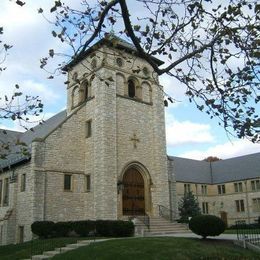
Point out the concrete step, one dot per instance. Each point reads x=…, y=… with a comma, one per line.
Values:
x=65, y=249
x=160, y=226
x=73, y=246
x=161, y=233
x=51, y=253
x=167, y=225
x=83, y=242
x=167, y=229
x=40, y=257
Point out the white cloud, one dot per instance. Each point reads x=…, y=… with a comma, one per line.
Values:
x=186, y=132
x=174, y=89
x=43, y=91
x=20, y=126
x=225, y=150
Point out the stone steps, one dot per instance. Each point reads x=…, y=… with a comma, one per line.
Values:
x=160, y=226
x=50, y=254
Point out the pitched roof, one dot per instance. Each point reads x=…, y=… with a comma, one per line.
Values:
x=110, y=40
x=39, y=131
x=188, y=170
x=236, y=169
x=233, y=169
x=9, y=135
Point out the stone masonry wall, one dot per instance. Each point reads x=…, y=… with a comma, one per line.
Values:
x=64, y=153
x=226, y=202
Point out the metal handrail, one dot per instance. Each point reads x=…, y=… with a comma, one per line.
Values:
x=167, y=213
x=145, y=219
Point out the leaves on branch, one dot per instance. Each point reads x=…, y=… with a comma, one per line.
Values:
x=211, y=49
x=20, y=2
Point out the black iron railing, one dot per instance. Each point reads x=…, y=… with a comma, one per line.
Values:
x=145, y=219
x=248, y=233
x=167, y=213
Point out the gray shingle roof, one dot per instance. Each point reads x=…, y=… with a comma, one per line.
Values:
x=187, y=170
x=9, y=135
x=234, y=169
x=39, y=131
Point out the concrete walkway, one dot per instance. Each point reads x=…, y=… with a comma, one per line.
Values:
x=192, y=235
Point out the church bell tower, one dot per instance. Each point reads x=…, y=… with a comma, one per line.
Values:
x=125, y=147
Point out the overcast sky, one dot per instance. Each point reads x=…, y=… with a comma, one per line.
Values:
x=190, y=133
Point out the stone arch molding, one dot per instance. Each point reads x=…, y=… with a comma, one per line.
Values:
x=147, y=182
x=138, y=87
x=81, y=92
x=138, y=166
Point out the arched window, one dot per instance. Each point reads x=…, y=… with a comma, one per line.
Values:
x=85, y=90
x=75, y=96
x=131, y=88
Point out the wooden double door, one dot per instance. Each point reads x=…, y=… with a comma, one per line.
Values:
x=133, y=193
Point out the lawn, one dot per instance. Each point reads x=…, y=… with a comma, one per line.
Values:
x=160, y=249
x=25, y=250
x=249, y=231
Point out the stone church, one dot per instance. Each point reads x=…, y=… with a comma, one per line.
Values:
x=105, y=156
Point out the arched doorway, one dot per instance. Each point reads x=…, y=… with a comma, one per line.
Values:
x=133, y=193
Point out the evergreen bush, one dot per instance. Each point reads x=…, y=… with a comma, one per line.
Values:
x=62, y=229
x=104, y=228
x=207, y=225
x=188, y=207
x=85, y=228
x=43, y=229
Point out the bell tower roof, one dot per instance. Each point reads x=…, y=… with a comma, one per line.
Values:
x=109, y=40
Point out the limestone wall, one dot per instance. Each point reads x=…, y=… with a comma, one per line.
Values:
x=226, y=202
x=19, y=210
x=64, y=153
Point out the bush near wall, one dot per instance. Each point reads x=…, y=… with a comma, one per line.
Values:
x=104, y=228
x=207, y=225
x=43, y=229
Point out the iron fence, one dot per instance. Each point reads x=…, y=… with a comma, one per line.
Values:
x=248, y=233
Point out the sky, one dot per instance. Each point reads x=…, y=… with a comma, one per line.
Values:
x=189, y=132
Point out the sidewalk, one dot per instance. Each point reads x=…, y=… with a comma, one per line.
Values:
x=222, y=236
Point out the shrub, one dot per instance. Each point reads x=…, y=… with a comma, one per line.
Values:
x=244, y=226
x=106, y=228
x=84, y=228
x=62, y=229
x=114, y=228
x=207, y=225
x=43, y=229
x=188, y=207
x=123, y=229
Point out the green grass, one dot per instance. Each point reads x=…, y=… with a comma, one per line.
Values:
x=234, y=231
x=159, y=249
x=24, y=250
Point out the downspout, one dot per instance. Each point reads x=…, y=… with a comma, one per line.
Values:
x=44, y=196
x=211, y=174
x=247, y=204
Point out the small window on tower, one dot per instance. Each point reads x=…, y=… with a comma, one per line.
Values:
x=67, y=182
x=88, y=183
x=131, y=88
x=88, y=128
x=23, y=182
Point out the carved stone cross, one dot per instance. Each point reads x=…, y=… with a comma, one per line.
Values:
x=135, y=140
